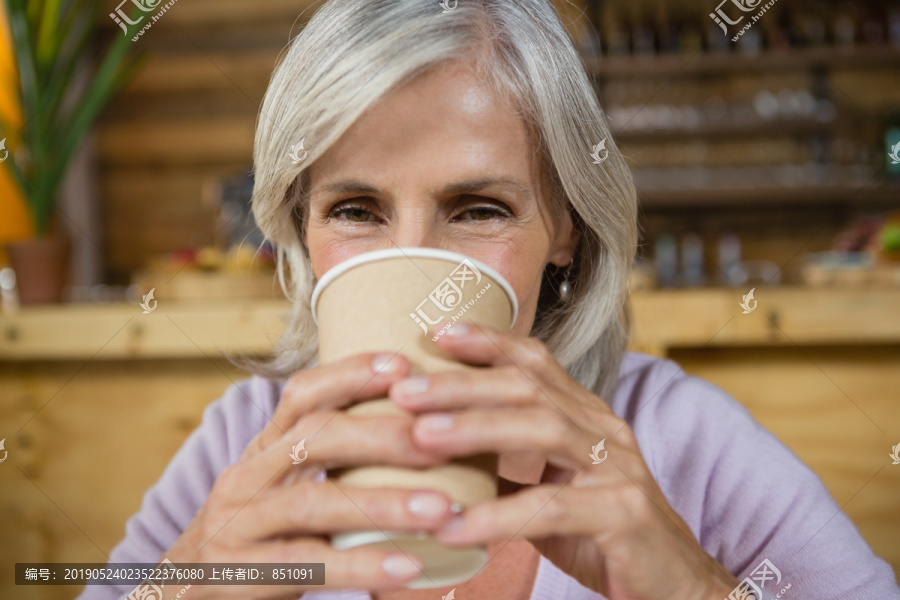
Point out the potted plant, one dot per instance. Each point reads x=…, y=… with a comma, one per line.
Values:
x=60, y=95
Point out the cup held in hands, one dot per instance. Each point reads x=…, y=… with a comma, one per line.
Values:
x=402, y=300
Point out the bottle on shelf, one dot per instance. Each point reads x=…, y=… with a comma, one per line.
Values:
x=729, y=259
x=642, y=38
x=894, y=27
x=716, y=42
x=666, y=261
x=778, y=34
x=692, y=263
x=618, y=38
x=844, y=30
x=872, y=30
x=666, y=32
x=812, y=29
x=751, y=42
x=690, y=34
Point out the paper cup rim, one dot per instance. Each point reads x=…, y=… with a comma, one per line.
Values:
x=376, y=255
x=354, y=539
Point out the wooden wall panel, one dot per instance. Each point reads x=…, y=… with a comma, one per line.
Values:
x=187, y=119
x=837, y=409
x=177, y=142
x=105, y=434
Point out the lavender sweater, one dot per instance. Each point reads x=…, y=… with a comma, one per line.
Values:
x=745, y=496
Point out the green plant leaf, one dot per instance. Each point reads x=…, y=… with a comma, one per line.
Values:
x=48, y=36
x=53, y=42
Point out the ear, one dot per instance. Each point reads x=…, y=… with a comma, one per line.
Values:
x=562, y=250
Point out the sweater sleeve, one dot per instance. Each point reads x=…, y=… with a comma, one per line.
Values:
x=168, y=507
x=748, y=498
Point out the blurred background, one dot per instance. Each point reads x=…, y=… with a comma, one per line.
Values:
x=768, y=166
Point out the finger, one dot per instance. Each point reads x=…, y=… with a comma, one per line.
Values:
x=329, y=440
x=500, y=386
x=546, y=428
x=361, y=568
x=546, y=510
x=480, y=344
x=328, y=387
x=325, y=507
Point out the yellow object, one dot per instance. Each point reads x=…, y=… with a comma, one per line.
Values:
x=209, y=258
x=240, y=258
x=15, y=220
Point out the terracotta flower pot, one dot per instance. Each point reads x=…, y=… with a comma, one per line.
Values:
x=41, y=266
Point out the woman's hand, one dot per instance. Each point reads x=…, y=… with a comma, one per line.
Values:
x=264, y=509
x=608, y=525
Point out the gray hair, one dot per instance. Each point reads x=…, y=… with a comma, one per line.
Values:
x=520, y=48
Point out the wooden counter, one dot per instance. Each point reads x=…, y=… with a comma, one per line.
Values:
x=662, y=320
x=96, y=399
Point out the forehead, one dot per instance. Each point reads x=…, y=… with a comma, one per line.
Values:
x=445, y=119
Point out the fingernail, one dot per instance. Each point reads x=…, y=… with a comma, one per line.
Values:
x=459, y=328
x=412, y=385
x=401, y=566
x=425, y=504
x=453, y=525
x=437, y=421
x=385, y=363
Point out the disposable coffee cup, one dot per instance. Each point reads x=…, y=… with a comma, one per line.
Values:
x=399, y=301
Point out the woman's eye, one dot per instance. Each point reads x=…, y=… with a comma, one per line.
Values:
x=485, y=213
x=481, y=213
x=354, y=213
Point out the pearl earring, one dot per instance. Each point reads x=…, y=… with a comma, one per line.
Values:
x=565, y=287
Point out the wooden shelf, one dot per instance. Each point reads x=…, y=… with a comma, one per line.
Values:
x=769, y=196
x=784, y=316
x=663, y=319
x=669, y=65
x=761, y=128
x=121, y=331
x=219, y=70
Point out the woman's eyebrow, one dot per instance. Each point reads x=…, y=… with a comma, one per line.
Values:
x=468, y=186
x=345, y=187
x=476, y=185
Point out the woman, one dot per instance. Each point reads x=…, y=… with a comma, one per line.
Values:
x=470, y=129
